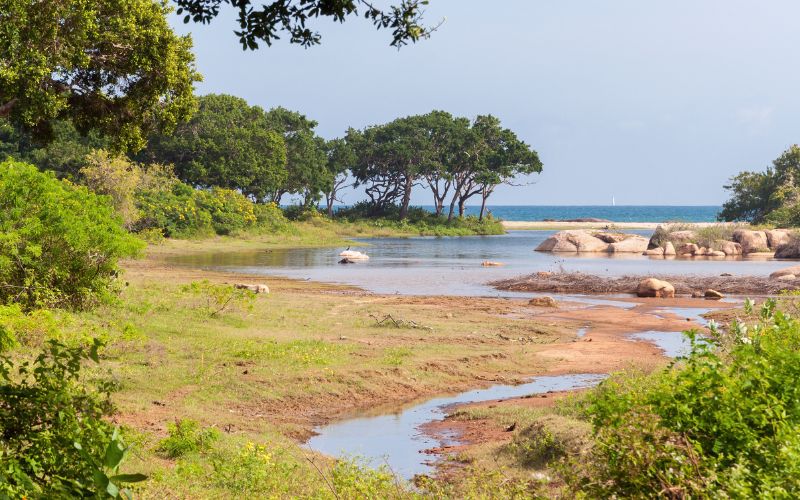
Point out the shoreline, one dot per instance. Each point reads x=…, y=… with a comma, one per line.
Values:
x=518, y=225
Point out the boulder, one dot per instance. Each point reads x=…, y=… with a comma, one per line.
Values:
x=751, y=241
x=256, y=288
x=610, y=237
x=631, y=244
x=572, y=241
x=716, y=253
x=786, y=277
x=655, y=252
x=777, y=237
x=729, y=247
x=701, y=251
x=652, y=287
x=789, y=250
x=543, y=274
x=543, y=302
x=697, y=294
x=786, y=271
x=669, y=249
x=354, y=255
x=713, y=295
x=686, y=236
x=688, y=249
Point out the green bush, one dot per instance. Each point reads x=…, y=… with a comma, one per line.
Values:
x=55, y=441
x=185, y=212
x=59, y=243
x=724, y=420
x=186, y=436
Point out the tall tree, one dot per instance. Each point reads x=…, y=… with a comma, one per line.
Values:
x=266, y=21
x=306, y=162
x=228, y=144
x=110, y=65
x=341, y=158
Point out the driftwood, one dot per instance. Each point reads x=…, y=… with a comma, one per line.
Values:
x=581, y=283
x=389, y=320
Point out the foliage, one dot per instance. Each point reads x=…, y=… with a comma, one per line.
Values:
x=59, y=243
x=265, y=23
x=186, y=436
x=64, y=151
x=725, y=420
x=771, y=196
x=216, y=299
x=110, y=65
x=115, y=177
x=55, y=441
x=227, y=144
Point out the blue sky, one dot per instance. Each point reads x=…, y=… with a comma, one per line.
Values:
x=650, y=102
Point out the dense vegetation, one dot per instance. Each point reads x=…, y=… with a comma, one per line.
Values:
x=723, y=420
x=771, y=196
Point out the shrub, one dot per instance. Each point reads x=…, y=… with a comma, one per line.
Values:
x=59, y=243
x=186, y=436
x=215, y=299
x=723, y=420
x=55, y=441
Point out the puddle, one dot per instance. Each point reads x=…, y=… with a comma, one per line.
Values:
x=396, y=439
x=692, y=313
x=582, y=332
x=673, y=344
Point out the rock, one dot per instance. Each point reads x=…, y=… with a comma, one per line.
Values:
x=777, y=237
x=573, y=241
x=713, y=295
x=652, y=287
x=729, y=247
x=543, y=302
x=789, y=250
x=751, y=241
x=631, y=244
x=347, y=261
x=697, y=294
x=543, y=274
x=610, y=237
x=793, y=270
x=687, y=249
x=786, y=277
x=256, y=288
x=701, y=251
x=490, y=263
x=655, y=252
x=686, y=236
x=354, y=255
x=716, y=253
x=669, y=249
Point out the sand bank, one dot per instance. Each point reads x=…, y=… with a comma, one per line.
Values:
x=558, y=225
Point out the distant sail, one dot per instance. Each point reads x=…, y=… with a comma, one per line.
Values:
x=613, y=202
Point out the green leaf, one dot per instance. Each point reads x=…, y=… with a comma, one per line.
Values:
x=129, y=478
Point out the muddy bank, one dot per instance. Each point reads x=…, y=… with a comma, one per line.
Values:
x=582, y=283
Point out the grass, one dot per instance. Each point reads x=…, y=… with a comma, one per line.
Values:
x=268, y=371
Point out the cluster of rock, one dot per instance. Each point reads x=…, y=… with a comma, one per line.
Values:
x=652, y=287
x=579, y=240
x=743, y=242
x=786, y=274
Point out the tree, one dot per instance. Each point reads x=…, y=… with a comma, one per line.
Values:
x=447, y=139
x=306, y=162
x=340, y=159
x=109, y=65
x=266, y=22
x=755, y=196
x=227, y=144
x=493, y=155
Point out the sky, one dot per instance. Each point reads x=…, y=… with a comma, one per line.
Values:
x=651, y=103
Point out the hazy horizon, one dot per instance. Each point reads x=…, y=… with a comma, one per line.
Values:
x=651, y=104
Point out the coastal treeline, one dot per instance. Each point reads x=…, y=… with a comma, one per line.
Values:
x=771, y=196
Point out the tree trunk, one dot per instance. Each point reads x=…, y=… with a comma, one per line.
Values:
x=329, y=198
x=483, y=206
x=452, y=207
x=462, y=202
x=406, y=198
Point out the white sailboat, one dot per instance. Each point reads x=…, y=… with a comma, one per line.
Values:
x=613, y=202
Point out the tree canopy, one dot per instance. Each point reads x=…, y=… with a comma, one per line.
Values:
x=769, y=196
x=109, y=65
x=227, y=144
x=267, y=21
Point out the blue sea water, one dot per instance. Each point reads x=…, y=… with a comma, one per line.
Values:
x=630, y=213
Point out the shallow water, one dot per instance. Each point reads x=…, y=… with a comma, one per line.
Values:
x=396, y=440
x=452, y=266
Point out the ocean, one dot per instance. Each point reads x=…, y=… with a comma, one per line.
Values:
x=630, y=213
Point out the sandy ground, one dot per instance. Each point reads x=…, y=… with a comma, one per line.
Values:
x=557, y=225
